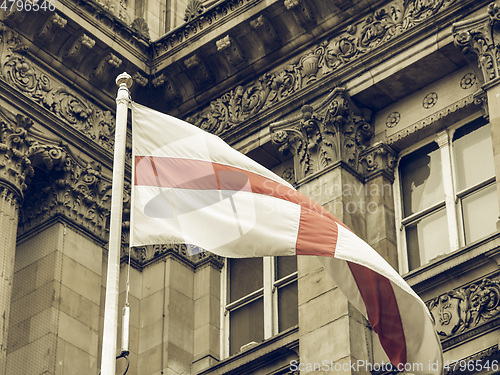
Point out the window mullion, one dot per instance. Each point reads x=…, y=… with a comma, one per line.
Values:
x=268, y=306
x=451, y=214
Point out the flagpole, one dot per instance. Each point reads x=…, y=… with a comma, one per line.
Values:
x=108, y=360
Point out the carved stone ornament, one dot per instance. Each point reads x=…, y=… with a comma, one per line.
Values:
x=231, y=50
x=107, y=68
x=243, y=102
x=193, y=9
x=266, y=31
x=302, y=11
x=79, y=49
x=50, y=29
x=70, y=189
x=141, y=27
x=335, y=130
x=142, y=256
x=378, y=159
x=48, y=180
x=20, y=73
x=15, y=166
x=480, y=36
x=465, y=308
x=198, y=71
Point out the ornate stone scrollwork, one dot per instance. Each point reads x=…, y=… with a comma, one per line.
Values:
x=231, y=50
x=480, y=36
x=20, y=73
x=334, y=131
x=465, y=308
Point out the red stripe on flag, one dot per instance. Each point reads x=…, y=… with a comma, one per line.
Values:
x=382, y=309
x=317, y=234
x=205, y=175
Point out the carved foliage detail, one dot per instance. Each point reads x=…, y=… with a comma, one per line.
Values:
x=335, y=130
x=19, y=72
x=15, y=166
x=480, y=36
x=358, y=39
x=461, y=309
x=62, y=186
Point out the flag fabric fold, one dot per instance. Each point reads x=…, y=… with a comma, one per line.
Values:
x=191, y=187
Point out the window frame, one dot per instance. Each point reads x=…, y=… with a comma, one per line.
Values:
x=452, y=203
x=269, y=292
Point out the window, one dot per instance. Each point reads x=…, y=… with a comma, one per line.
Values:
x=448, y=196
x=261, y=300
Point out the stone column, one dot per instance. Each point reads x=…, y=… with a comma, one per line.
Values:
x=478, y=38
x=15, y=168
x=378, y=164
x=327, y=140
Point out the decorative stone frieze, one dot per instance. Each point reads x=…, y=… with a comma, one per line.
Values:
x=464, y=309
x=231, y=50
x=302, y=12
x=79, y=49
x=198, y=71
x=480, y=36
x=50, y=29
x=266, y=31
x=19, y=72
x=378, y=159
x=335, y=130
x=326, y=57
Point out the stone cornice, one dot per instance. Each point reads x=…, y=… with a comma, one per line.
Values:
x=18, y=71
x=384, y=28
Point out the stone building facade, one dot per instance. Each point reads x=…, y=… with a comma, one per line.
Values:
x=383, y=111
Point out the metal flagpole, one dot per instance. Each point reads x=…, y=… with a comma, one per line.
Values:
x=108, y=361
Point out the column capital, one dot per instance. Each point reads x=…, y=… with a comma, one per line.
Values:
x=480, y=36
x=15, y=166
x=335, y=130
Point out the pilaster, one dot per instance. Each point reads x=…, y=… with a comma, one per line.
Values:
x=15, y=170
x=478, y=37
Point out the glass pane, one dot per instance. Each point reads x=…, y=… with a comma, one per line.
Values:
x=480, y=211
x=473, y=156
x=421, y=180
x=245, y=277
x=284, y=266
x=427, y=239
x=246, y=324
x=288, y=306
